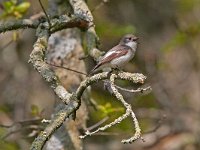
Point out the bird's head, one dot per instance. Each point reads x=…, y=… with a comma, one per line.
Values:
x=129, y=40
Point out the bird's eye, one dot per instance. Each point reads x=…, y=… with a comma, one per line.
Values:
x=129, y=38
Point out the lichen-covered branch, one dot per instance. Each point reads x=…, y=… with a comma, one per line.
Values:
x=83, y=19
x=135, y=78
x=55, y=123
x=18, y=24
x=65, y=21
x=81, y=10
x=129, y=110
x=72, y=100
x=57, y=24
x=37, y=59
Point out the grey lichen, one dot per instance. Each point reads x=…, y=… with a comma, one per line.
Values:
x=133, y=77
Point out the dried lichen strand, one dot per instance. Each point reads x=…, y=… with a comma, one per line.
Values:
x=135, y=78
x=129, y=110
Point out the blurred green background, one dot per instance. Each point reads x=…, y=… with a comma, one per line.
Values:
x=168, y=54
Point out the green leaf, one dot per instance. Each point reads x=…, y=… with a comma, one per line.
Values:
x=23, y=7
x=35, y=110
x=108, y=109
x=11, y=9
x=8, y=5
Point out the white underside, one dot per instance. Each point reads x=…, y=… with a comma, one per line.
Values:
x=118, y=62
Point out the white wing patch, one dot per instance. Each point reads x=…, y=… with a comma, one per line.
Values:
x=110, y=53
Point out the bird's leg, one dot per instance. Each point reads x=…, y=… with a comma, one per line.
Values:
x=117, y=69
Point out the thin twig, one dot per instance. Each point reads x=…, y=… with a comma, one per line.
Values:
x=116, y=121
x=11, y=41
x=45, y=14
x=67, y=68
x=22, y=122
x=103, y=2
x=19, y=130
x=139, y=90
x=159, y=123
x=7, y=44
x=107, y=133
x=98, y=123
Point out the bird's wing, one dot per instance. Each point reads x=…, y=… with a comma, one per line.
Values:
x=113, y=53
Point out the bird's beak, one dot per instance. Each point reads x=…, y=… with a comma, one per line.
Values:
x=135, y=38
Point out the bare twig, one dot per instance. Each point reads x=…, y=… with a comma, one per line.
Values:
x=20, y=126
x=98, y=123
x=67, y=68
x=103, y=2
x=139, y=90
x=11, y=132
x=10, y=42
x=158, y=125
x=6, y=45
x=23, y=122
x=45, y=14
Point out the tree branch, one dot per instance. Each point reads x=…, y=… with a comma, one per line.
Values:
x=135, y=78
x=18, y=24
x=82, y=19
x=57, y=24
x=81, y=10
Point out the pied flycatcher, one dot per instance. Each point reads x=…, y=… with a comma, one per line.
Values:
x=118, y=55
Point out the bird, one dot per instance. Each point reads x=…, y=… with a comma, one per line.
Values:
x=119, y=55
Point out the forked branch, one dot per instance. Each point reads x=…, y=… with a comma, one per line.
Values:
x=135, y=78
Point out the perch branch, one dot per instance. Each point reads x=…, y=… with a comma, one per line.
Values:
x=135, y=78
x=74, y=103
